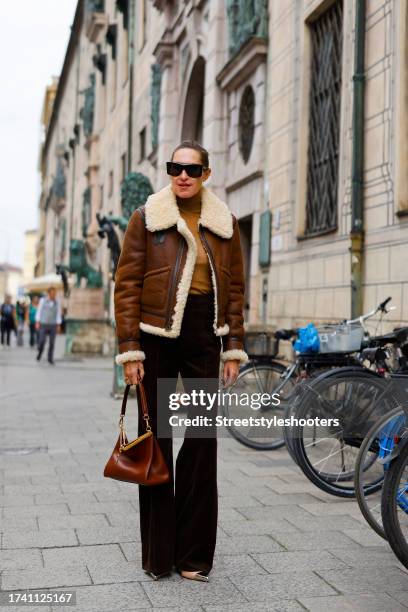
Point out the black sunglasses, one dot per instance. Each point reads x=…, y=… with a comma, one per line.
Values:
x=193, y=170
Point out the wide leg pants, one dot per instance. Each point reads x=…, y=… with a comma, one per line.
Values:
x=178, y=520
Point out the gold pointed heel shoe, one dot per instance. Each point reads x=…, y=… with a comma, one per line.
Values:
x=197, y=575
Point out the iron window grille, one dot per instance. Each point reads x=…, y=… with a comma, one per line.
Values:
x=324, y=121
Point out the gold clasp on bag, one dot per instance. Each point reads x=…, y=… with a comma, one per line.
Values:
x=148, y=428
x=126, y=445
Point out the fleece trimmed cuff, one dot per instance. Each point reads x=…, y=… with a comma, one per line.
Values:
x=130, y=356
x=234, y=354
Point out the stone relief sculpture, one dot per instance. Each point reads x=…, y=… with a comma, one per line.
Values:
x=246, y=18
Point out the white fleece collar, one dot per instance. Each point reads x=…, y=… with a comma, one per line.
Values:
x=162, y=212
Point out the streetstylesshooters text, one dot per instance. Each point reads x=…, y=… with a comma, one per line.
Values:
x=254, y=401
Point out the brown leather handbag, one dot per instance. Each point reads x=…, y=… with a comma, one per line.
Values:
x=140, y=461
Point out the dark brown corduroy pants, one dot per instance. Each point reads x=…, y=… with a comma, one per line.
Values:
x=178, y=520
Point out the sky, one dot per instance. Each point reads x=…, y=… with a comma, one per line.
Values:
x=33, y=41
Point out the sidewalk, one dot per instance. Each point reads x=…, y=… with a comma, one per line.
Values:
x=282, y=544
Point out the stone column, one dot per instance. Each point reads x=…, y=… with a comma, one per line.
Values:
x=164, y=53
x=215, y=102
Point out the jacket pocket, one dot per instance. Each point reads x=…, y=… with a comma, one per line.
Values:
x=155, y=288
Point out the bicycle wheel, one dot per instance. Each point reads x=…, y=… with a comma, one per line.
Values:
x=394, y=505
x=320, y=364
x=369, y=475
x=257, y=379
x=326, y=453
x=291, y=407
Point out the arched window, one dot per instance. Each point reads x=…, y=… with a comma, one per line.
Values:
x=194, y=104
x=246, y=125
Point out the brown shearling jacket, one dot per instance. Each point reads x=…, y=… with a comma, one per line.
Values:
x=156, y=266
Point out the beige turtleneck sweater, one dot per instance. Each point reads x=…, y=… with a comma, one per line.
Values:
x=190, y=209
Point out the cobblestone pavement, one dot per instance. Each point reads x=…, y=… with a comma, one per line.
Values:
x=282, y=544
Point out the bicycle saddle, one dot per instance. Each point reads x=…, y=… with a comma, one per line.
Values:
x=285, y=334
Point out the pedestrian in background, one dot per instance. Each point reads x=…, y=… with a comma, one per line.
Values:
x=32, y=311
x=8, y=323
x=21, y=317
x=48, y=322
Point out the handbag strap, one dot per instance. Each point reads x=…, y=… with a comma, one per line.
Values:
x=142, y=404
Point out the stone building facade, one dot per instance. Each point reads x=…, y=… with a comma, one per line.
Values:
x=269, y=90
x=311, y=275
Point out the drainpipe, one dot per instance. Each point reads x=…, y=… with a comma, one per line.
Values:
x=357, y=196
x=131, y=46
x=118, y=383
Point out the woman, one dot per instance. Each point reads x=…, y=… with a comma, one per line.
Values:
x=8, y=323
x=179, y=293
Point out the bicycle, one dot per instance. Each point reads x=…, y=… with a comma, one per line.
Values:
x=381, y=440
x=377, y=445
x=264, y=373
x=394, y=502
x=350, y=395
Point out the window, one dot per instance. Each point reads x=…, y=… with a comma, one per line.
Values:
x=246, y=126
x=142, y=145
x=324, y=121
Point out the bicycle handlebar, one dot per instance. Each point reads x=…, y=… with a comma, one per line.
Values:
x=383, y=304
x=381, y=307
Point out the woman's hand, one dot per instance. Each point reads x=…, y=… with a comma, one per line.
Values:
x=231, y=371
x=133, y=372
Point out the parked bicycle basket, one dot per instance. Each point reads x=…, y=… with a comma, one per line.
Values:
x=340, y=338
x=260, y=344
